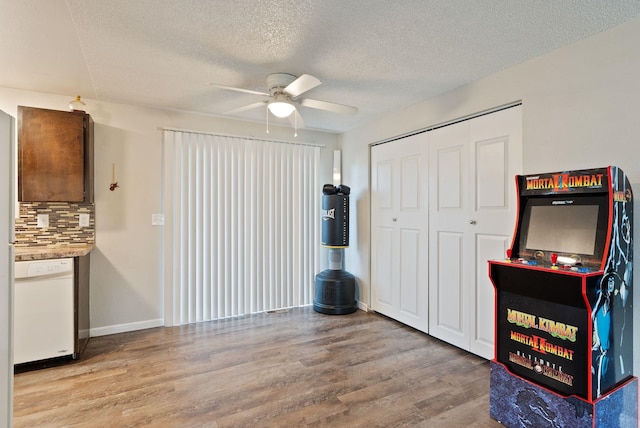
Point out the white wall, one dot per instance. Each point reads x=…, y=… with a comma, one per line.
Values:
x=126, y=266
x=580, y=110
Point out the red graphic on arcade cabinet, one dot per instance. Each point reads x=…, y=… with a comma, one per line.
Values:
x=538, y=353
x=564, y=182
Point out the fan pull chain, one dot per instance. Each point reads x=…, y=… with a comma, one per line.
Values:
x=267, y=110
x=295, y=124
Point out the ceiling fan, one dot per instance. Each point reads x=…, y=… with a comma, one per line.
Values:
x=284, y=95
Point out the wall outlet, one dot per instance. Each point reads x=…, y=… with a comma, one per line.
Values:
x=83, y=219
x=43, y=220
x=157, y=219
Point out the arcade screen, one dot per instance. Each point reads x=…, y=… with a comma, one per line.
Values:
x=576, y=226
x=563, y=228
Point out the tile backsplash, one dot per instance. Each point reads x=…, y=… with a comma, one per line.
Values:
x=64, y=225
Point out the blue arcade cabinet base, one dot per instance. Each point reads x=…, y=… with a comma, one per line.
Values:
x=516, y=402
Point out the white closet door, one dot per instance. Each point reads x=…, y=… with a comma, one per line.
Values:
x=496, y=153
x=449, y=234
x=399, y=225
x=472, y=217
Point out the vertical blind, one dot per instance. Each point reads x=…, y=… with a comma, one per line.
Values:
x=242, y=222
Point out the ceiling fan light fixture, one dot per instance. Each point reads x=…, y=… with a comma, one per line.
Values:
x=281, y=108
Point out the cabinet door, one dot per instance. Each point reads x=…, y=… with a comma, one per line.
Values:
x=51, y=155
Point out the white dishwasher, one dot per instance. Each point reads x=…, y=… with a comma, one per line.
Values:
x=43, y=324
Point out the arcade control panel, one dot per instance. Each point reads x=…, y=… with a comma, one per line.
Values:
x=555, y=262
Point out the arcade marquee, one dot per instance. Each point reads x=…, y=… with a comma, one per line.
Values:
x=564, y=304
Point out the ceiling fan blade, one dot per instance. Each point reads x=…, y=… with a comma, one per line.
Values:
x=231, y=88
x=301, y=85
x=296, y=119
x=333, y=107
x=245, y=108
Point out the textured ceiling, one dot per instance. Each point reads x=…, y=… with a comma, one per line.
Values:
x=377, y=55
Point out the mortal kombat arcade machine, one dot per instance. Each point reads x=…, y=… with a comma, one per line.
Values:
x=564, y=304
x=335, y=287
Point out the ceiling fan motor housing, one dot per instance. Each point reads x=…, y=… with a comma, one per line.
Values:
x=278, y=81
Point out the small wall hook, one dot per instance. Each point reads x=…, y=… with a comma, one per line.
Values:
x=114, y=183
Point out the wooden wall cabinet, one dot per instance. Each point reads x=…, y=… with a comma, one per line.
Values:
x=55, y=156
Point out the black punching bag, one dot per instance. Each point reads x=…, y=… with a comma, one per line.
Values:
x=335, y=221
x=335, y=287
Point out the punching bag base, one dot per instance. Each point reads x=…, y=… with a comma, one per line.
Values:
x=335, y=292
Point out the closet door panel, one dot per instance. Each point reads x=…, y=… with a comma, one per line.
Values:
x=383, y=265
x=495, y=142
x=448, y=315
x=399, y=202
x=409, y=272
x=448, y=227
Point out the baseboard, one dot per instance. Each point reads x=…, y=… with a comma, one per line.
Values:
x=123, y=328
x=362, y=306
x=141, y=325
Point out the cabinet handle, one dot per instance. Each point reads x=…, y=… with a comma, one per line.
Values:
x=394, y=219
x=472, y=222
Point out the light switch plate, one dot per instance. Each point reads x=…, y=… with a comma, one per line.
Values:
x=83, y=219
x=43, y=220
x=157, y=219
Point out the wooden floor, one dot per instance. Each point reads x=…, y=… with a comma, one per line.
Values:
x=286, y=369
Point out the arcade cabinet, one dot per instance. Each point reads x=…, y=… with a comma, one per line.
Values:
x=335, y=287
x=564, y=304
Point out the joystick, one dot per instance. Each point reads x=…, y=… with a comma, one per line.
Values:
x=554, y=260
